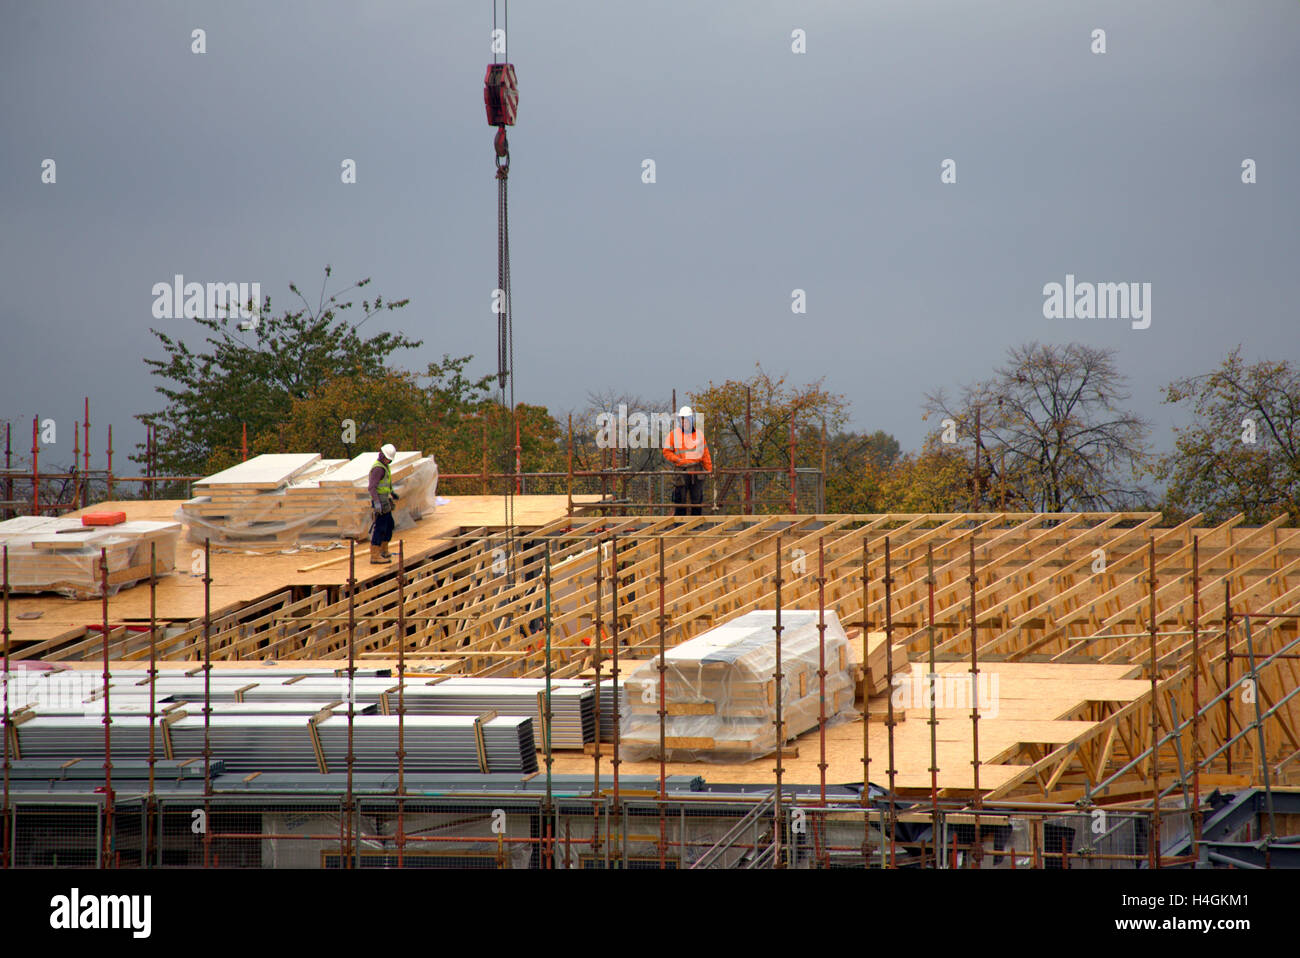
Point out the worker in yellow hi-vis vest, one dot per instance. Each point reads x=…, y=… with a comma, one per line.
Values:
x=382, y=498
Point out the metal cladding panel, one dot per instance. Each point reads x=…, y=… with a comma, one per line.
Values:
x=72, y=737
x=608, y=690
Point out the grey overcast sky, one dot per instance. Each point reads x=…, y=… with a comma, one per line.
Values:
x=775, y=171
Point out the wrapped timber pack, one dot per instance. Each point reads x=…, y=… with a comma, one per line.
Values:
x=61, y=555
x=720, y=689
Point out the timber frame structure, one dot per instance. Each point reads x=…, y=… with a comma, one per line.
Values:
x=1204, y=617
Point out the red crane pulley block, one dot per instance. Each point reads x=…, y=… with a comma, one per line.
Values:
x=501, y=94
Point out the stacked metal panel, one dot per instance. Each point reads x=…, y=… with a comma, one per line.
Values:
x=280, y=688
x=290, y=721
x=283, y=743
x=433, y=743
x=573, y=722
x=573, y=709
x=66, y=737
x=260, y=743
x=137, y=706
x=608, y=690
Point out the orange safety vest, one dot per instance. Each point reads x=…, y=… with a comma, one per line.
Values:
x=689, y=449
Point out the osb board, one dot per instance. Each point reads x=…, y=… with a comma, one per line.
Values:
x=1030, y=698
x=239, y=578
x=415, y=667
x=843, y=760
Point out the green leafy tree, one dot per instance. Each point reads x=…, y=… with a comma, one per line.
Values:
x=1242, y=451
x=441, y=413
x=773, y=403
x=238, y=377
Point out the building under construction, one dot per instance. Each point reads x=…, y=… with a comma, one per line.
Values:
x=971, y=690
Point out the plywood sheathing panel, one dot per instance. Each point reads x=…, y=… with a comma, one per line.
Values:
x=239, y=578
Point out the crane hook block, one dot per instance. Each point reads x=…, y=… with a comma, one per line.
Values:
x=501, y=94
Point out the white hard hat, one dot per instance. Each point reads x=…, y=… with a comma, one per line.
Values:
x=389, y=451
x=685, y=411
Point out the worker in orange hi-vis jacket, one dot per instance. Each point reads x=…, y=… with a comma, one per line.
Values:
x=687, y=451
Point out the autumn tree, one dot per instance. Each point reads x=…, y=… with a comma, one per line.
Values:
x=1052, y=431
x=857, y=466
x=775, y=406
x=441, y=412
x=1242, y=451
x=938, y=478
x=345, y=415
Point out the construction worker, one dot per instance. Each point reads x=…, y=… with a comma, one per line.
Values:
x=382, y=498
x=688, y=452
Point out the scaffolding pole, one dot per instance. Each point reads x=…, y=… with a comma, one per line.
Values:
x=207, y=702
x=663, y=710
x=107, y=859
x=401, y=703
x=932, y=682
x=889, y=720
x=778, y=677
x=1155, y=713
x=978, y=850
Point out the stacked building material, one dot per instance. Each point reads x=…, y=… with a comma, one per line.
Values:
x=248, y=743
x=139, y=705
x=608, y=691
x=572, y=700
x=433, y=743
x=62, y=555
x=875, y=674
x=573, y=709
x=261, y=743
x=721, y=689
x=68, y=737
x=281, y=501
x=291, y=720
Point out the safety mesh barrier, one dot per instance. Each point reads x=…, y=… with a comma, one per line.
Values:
x=522, y=831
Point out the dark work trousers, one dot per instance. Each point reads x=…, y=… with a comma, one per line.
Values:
x=690, y=489
x=383, y=529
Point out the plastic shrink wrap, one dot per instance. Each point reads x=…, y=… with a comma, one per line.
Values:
x=720, y=689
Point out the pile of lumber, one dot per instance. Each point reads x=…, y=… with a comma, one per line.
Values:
x=62, y=555
x=876, y=671
x=720, y=689
x=284, y=500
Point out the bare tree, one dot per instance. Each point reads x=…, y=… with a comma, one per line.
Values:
x=1049, y=430
x=587, y=426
